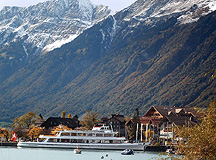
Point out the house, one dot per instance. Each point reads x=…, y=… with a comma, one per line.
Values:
x=176, y=119
x=117, y=122
x=160, y=121
x=56, y=121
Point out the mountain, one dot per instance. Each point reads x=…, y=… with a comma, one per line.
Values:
x=27, y=33
x=48, y=25
x=151, y=53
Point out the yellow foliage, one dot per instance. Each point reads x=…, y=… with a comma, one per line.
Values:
x=89, y=120
x=35, y=132
x=4, y=132
x=59, y=128
x=201, y=138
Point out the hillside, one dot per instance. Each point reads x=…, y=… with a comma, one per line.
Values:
x=116, y=66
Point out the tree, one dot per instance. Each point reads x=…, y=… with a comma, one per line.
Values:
x=127, y=118
x=89, y=120
x=22, y=123
x=59, y=128
x=63, y=114
x=25, y=121
x=4, y=132
x=69, y=115
x=201, y=138
x=35, y=132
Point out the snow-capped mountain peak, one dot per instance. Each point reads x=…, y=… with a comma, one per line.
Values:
x=48, y=25
x=190, y=10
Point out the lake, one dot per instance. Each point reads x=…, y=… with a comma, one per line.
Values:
x=13, y=153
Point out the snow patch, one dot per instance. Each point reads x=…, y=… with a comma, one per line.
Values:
x=26, y=52
x=59, y=43
x=103, y=35
x=20, y=30
x=212, y=6
x=114, y=27
x=87, y=8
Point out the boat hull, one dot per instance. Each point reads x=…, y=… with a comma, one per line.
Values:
x=123, y=146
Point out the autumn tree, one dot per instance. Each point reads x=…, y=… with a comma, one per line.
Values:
x=127, y=118
x=59, y=128
x=63, y=114
x=35, y=132
x=23, y=122
x=201, y=138
x=4, y=132
x=89, y=120
x=69, y=115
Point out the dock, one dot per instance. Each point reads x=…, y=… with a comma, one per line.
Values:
x=156, y=148
x=8, y=144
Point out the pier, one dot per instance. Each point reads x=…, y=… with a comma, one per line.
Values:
x=8, y=144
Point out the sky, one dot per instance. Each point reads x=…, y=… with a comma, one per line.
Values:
x=115, y=5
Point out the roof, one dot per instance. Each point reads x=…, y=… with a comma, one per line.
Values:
x=55, y=121
x=180, y=120
x=163, y=110
x=177, y=115
x=114, y=117
x=118, y=117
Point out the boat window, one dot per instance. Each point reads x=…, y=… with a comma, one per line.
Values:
x=89, y=134
x=41, y=139
x=80, y=134
x=107, y=135
x=80, y=140
x=99, y=135
x=65, y=134
x=52, y=140
x=65, y=140
x=116, y=142
x=73, y=134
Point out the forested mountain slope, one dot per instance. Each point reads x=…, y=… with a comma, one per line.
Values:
x=119, y=65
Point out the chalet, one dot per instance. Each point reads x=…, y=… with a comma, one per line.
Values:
x=161, y=119
x=56, y=121
x=117, y=122
x=175, y=119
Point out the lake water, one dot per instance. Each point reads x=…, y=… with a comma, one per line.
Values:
x=13, y=153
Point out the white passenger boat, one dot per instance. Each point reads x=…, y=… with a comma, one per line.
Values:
x=100, y=137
